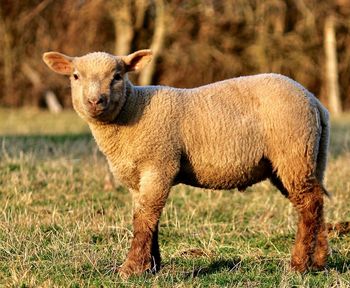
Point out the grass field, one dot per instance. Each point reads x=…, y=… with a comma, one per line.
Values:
x=61, y=227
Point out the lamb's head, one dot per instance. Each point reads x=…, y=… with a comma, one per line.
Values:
x=98, y=80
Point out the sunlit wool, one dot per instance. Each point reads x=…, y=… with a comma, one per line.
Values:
x=229, y=134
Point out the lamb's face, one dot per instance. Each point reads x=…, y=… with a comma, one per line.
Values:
x=97, y=80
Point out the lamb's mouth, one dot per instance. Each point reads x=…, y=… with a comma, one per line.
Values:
x=96, y=111
x=103, y=114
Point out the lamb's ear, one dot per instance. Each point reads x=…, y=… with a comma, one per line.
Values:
x=58, y=62
x=137, y=60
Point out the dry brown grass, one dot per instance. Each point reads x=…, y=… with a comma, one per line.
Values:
x=59, y=227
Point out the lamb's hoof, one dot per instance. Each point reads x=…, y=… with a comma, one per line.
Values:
x=130, y=269
x=299, y=266
x=318, y=267
x=319, y=262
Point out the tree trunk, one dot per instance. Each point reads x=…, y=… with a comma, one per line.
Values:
x=8, y=56
x=123, y=27
x=51, y=100
x=157, y=43
x=330, y=47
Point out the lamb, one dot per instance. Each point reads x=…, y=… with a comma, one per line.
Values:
x=225, y=135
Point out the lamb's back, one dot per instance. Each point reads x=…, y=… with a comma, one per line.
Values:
x=228, y=128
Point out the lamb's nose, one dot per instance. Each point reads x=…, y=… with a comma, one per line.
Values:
x=101, y=100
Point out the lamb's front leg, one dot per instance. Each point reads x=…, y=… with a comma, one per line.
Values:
x=149, y=201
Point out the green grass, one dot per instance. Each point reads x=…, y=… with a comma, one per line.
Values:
x=61, y=227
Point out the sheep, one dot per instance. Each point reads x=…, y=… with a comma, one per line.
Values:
x=229, y=134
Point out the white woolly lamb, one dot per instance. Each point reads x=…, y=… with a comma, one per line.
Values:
x=229, y=134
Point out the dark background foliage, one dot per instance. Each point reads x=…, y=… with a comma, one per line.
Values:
x=198, y=41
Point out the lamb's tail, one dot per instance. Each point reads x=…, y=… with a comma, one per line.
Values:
x=324, y=125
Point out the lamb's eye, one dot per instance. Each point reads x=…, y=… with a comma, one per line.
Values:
x=76, y=76
x=117, y=77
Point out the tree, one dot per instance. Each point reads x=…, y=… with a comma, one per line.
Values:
x=330, y=47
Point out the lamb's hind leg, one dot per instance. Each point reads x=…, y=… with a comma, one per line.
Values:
x=308, y=200
x=321, y=250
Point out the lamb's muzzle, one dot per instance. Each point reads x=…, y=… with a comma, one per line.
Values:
x=229, y=134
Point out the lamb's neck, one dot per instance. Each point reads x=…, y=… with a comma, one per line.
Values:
x=108, y=135
x=105, y=136
x=111, y=137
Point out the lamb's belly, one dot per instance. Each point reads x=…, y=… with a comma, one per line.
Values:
x=232, y=175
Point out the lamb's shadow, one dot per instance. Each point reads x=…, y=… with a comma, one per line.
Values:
x=215, y=267
x=338, y=262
